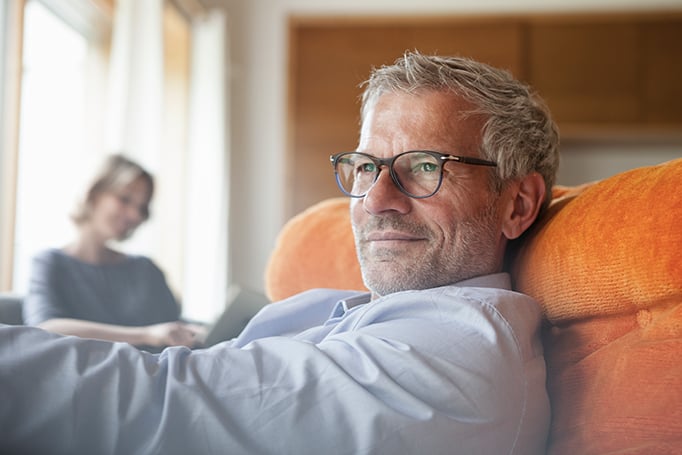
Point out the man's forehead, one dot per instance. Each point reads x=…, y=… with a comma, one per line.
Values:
x=428, y=119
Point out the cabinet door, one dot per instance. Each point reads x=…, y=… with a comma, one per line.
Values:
x=586, y=70
x=661, y=70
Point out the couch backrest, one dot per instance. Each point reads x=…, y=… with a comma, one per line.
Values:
x=605, y=263
x=315, y=249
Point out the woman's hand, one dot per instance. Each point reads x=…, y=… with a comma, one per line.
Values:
x=175, y=333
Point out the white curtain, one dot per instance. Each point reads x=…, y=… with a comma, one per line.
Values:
x=206, y=266
x=135, y=104
x=136, y=127
x=136, y=80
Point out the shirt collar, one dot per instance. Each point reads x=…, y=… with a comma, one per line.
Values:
x=496, y=280
x=342, y=306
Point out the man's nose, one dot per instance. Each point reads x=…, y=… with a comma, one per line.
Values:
x=384, y=195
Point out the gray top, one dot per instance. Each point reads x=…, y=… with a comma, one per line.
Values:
x=131, y=292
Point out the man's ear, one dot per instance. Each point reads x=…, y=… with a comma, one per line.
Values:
x=526, y=197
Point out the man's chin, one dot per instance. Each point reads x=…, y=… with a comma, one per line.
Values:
x=382, y=280
x=397, y=260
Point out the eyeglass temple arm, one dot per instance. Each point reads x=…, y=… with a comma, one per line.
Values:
x=470, y=160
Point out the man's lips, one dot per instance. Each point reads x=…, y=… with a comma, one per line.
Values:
x=391, y=236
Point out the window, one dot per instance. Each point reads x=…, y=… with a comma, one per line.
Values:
x=145, y=78
x=10, y=54
x=54, y=153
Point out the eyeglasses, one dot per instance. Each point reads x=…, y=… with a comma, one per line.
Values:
x=416, y=173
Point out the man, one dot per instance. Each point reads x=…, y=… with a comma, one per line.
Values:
x=455, y=158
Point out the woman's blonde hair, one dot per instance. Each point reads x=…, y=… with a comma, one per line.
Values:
x=116, y=173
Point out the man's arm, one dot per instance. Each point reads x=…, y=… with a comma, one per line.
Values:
x=377, y=389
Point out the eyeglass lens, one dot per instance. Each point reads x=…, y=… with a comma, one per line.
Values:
x=416, y=173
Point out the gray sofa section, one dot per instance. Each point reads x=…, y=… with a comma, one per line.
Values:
x=10, y=309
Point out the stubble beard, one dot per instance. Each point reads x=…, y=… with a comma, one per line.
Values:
x=471, y=253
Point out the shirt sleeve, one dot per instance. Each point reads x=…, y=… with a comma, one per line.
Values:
x=370, y=390
x=43, y=300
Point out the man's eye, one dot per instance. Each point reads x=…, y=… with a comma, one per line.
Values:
x=425, y=168
x=367, y=168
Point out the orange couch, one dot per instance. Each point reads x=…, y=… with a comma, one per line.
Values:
x=605, y=263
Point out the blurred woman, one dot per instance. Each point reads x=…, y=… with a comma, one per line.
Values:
x=90, y=290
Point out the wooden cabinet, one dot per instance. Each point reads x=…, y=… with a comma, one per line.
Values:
x=609, y=74
x=587, y=72
x=660, y=70
x=600, y=74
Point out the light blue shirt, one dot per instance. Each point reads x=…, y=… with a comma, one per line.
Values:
x=451, y=370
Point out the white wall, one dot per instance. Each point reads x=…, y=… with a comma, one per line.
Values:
x=586, y=162
x=258, y=34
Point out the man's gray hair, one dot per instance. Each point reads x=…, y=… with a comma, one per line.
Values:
x=519, y=133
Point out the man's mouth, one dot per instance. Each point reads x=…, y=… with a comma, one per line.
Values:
x=391, y=236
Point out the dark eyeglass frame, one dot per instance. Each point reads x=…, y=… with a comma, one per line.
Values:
x=388, y=162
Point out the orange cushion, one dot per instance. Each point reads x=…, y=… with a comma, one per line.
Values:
x=315, y=249
x=605, y=262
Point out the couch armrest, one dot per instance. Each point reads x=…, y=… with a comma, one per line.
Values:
x=10, y=309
